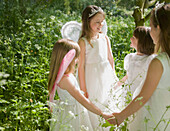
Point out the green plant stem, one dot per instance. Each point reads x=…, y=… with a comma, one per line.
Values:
x=167, y=125
x=160, y=119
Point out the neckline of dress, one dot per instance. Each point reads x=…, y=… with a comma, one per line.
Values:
x=98, y=36
x=140, y=55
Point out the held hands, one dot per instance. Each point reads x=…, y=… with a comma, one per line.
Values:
x=117, y=120
x=117, y=85
x=107, y=116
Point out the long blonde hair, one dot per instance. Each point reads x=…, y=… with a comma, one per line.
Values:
x=60, y=49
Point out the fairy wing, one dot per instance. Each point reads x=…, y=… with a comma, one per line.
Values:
x=104, y=28
x=63, y=66
x=72, y=30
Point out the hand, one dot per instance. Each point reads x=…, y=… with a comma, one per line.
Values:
x=86, y=94
x=50, y=108
x=117, y=85
x=117, y=120
x=107, y=116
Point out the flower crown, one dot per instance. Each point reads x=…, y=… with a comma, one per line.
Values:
x=94, y=11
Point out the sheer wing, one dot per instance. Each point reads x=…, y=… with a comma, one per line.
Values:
x=104, y=28
x=72, y=30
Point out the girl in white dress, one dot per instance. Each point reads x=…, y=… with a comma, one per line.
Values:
x=67, y=113
x=96, y=64
x=155, y=92
x=136, y=64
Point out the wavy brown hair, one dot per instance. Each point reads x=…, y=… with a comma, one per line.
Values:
x=60, y=49
x=163, y=20
x=86, y=30
x=145, y=43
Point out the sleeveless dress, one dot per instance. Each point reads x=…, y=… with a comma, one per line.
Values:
x=68, y=114
x=99, y=77
x=136, y=67
x=149, y=116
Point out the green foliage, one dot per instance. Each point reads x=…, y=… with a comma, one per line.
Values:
x=128, y=4
x=68, y=6
x=28, y=31
x=119, y=31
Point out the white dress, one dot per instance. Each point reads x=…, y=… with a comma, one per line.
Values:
x=136, y=67
x=148, y=117
x=68, y=114
x=100, y=78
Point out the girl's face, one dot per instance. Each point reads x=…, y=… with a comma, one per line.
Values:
x=154, y=32
x=96, y=23
x=134, y=42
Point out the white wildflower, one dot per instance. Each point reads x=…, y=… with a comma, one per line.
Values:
x=72, y=114
x=2, y=82
x=84, y=128
x=6, y=75
x=29, y=42
x=38, y=23
x=32, y=27
x=52, y=17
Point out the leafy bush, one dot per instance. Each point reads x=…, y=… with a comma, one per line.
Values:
x=28, y=32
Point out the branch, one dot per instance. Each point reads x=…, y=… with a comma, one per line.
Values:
x=150, y=3
x=147, y=16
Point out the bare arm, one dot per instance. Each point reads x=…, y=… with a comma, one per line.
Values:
x=81, y=68
x=67, y=84
x=110, y=55
x=121, y=82
x=154, y=74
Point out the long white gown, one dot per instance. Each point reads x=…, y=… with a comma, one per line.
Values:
x=149, y=116
x=100, y=78
x=68, y=114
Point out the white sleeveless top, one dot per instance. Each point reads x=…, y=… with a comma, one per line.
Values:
x=157, y=104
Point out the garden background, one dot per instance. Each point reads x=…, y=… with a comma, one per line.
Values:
x=28, y=31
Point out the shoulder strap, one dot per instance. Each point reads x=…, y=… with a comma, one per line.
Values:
x=86, y=42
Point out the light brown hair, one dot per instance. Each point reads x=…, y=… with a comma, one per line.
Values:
x=86, y=30
x=145, y=43
x=162, y=18
x=60, y=49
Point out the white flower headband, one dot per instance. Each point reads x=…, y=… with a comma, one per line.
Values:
x=158, y=6
x=94, y=11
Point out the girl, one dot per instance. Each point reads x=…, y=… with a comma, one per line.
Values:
x=96, y=68
x=63, y=60
x=136, y=64
x=155, y=91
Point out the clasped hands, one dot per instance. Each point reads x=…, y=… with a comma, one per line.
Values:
x=114, y=119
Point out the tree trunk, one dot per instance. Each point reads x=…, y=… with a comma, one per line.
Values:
x=138, y=13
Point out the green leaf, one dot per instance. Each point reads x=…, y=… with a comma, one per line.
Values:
x=106, y=124
x=4, y=101
x=168, y=106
